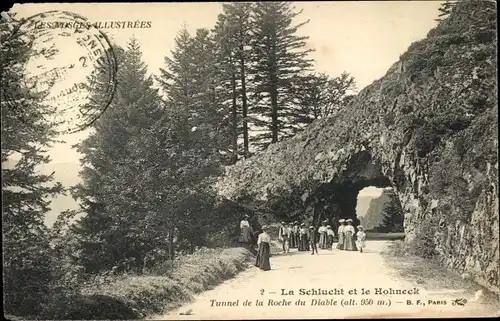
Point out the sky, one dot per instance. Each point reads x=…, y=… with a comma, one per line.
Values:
x=363, y=38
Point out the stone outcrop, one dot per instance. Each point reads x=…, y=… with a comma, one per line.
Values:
x=428, y=128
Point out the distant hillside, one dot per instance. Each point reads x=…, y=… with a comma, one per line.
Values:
x=362, y=205
x=374, y=215
x=67, y=174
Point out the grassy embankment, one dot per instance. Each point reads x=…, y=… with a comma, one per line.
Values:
x=164, y=288
x=429, y=274
x=384, y=236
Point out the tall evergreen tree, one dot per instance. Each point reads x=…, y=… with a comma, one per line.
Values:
x=188, y=135
x=207, y=113
x=319, y=96
x=279, y=57
x=111, y=177
x=225, y=55
x=393, y=215
x=27, y=129
x=233, y=34
x=445, y=9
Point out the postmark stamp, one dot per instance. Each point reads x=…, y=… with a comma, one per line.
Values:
x=74, y=64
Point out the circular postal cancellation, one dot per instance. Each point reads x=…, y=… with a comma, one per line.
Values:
x=74, y=64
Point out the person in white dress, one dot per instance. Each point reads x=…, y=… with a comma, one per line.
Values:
x=360, y=238
x=323, y=237
x=340, y=234
x=245, y=232
x=349, y=243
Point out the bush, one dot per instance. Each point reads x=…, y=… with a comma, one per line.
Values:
x=167, y=286
x=88, y=307
x=424, y=244
x=426, y=140
x=398, y=248
x=389, y=119
x=27, y=275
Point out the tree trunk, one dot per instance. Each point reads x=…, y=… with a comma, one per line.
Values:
x=244, y=101
x=235, y=120
x=273, y=91
x=274, y=112
x=171, y=249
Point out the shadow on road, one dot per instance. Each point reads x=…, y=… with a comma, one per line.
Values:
x=369, y=251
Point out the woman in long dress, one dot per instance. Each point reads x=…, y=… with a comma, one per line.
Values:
x=349, y=244
x=340, y=234
x=245, y=232
x=329, y=235
x=323, y=242
x=264, y=253
x=360, y=238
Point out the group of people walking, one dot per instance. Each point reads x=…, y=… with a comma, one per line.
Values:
x=309, y=239
x=304, y=238
x=346, y=234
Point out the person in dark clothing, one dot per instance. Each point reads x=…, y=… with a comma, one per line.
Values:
x=304, y=238
x=262, y=261
x=313, y=238
x=295, y=237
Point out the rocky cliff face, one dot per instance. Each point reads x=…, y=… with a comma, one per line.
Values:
x=428, y=128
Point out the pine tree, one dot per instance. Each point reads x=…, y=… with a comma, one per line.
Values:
x=232, y=33
x=225, y=55
x=27, y=129
x=187, y=140
x=279, y=57
x=207, y=113
x=319, y=96
x=445, y=9
x=393, y=216
x=110, y=192
x=194, y=100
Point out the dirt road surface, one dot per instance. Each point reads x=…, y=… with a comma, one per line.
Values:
x=348, y=276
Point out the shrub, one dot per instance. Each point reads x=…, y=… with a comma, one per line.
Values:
x=167, y=287
x=27, y=274
x=424, y=244
x=426, y=140
x=91, y=307
x=389, y=119
x=398, y=248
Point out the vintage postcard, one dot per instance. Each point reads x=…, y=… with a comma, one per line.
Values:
x=250, y=160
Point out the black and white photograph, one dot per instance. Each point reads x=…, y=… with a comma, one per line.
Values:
x=249, y=160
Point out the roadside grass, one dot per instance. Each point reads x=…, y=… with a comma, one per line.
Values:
x=384, y=236
x=430, y=275
x=160, y=290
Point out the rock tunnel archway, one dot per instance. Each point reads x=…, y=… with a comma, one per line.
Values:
x=402, y=131
x=338, y=198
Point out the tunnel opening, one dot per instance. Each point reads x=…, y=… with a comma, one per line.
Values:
x=338, y=198
x=334, y=201
x=313, y=202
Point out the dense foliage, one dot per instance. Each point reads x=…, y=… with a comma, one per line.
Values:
x=27, y=130
x=151, y=158
x=392, y=220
